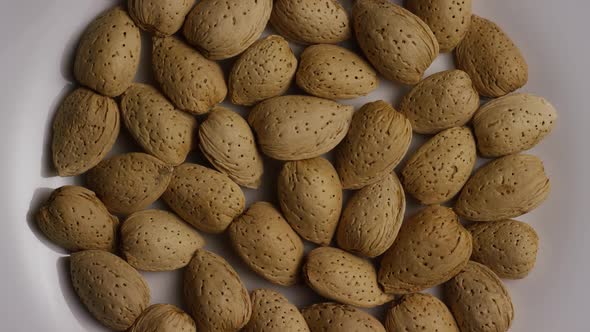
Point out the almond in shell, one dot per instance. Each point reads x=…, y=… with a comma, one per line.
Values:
x=333, y=317
x=161, y=17
x=272, y=312
x=420, y=312
x=163, y=318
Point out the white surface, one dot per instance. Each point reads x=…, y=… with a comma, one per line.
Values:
x=38, y=40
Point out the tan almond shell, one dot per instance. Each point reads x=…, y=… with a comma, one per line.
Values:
x=207, y=199
x=75, y=219
x=310, y=195
x=299, y=127
x=443, y=100
x=504, y=188
x=431, y=248
x=337, y=275
x=160, y=17
x=85, y=129
x=372, y=218
x=478, y=300
x=222, y=30
x=398, y=44
x=108, y=53
x=311, y=21
x=334, y=72
x=215, y=296
x=508, y=247
x=163, y=318
x=513, y=124
x=437, y=171
x=420, y=312
x=158, y=127
x=272, y=312
x=267, y=244
x=492, y=60
x=333, y=317
x=263, y=71
x=113, y=291
x=377, y=141
x=156, y=240
x=193, y=83
x=227, y=141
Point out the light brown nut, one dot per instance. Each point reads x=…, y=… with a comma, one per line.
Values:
x=504, y=188
x=163, y=318
x=204, y=198
x=263, y=71
x=431, y=248
x=160, y=17
x=108, y=54
x=299, y=127
x=85, y=129
x=75, y=219
x=512, y=124
x=156, y=125
x=444, y=100
x=479, y=301
x=129, y=182
x=113, y=291
x=310, y=195
x=215, y=296
x=372, y=218
x=449, y=20
x=221, y=30
x=508, y=247
x=420, y=312
x=311, y=21
x=334, y=72
x=437, y=171
x=156, y=240
x=337, y=275
x=267, y=244
x=228, y=143
x=333, y=317
x=491, y=59
x=398, y=44
x=193, y=83
x=377, y=141
x=272, y=312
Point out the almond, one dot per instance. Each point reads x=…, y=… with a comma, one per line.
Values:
x=163, y=318
x=420, y=312
x=332, y=317
x=272, y=312
x=161, y=17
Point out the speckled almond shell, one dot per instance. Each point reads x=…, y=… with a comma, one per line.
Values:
x=272, y=312
x=160, y=17
x=333, y=317
x=419, y=312
x=163, y=318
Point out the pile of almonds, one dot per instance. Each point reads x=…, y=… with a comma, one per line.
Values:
x=432, y=247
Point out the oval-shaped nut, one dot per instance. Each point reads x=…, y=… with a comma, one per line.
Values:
x=311, y=21
x=491, y=59
x=512, y=124
x=478, y=300
x=108, y=53
x=263, y=71
x=431, y=248
x=268, y=245
x=163, y=318
x=204, y=198
x=333, y=72
x=299, y=127
x=272, y=312
x=156, y=240
x=508, y=247
x=75, y=219
x=372, y=218
x=504, y=188
x=160, y=17
x=228, y=143
x=440, y=101
x=437, y=171
x=333, y=317
x=129, y=182
x=310, y=195
x=223, y=30
x=215, y=296
x=156, y=125
x=193, y=83
x=337, y=275
x=377, y=141
x=113, y=291
x=420, y=312
x=85, y=129
x=398, y=44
